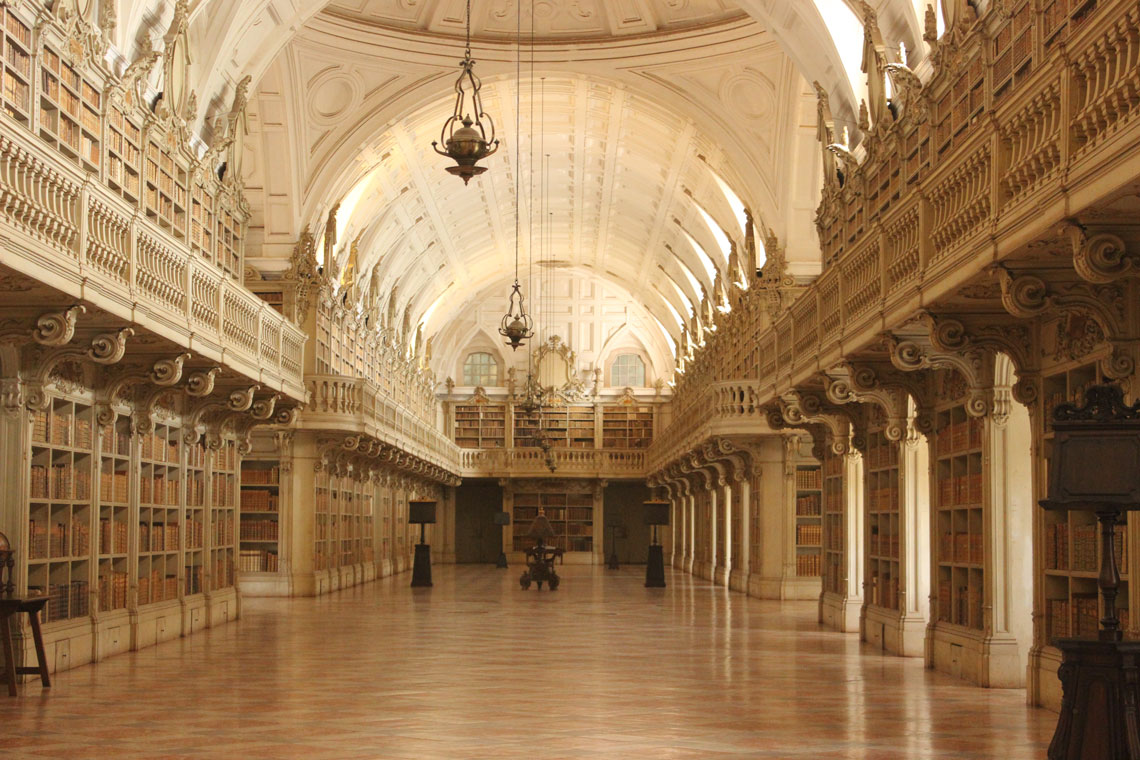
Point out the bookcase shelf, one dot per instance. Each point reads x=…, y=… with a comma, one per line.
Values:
x=481, y=426
x=627, y=426
x=223, y=497
x=833, y=508
x=194, y=533
x=160, y=512
x=17, y=68
x=324, y=515
x=124, y=154
x=809, y=520
x=1070, y=540
x=960, y=517
x=260, y=526
x=571, y=515
x=70, y=115
x=883, y=535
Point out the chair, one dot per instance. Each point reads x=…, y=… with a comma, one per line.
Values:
x=14, y=605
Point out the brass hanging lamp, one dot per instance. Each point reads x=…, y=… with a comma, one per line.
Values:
x=465, y=139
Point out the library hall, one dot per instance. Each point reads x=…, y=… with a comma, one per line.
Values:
x=569, y=379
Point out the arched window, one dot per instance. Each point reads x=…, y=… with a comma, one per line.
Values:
x=628, y=370
x=480, y=369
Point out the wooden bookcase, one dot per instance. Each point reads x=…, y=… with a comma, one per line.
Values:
x=159, y=515
x=165, y=188
x=114, y=515
x=60, y=508
x=17, y=68
x=883, y=535
x=1069, y=540
x=223, y=521
x=70, y=116
x=367, y=530
x=324, y=515
x=833, y=518
x=809, y=520
x=480, y=426
x=124, y=154
x=194, y=533
x=571, y=515
x=260, y=515
x=627, y=426
x=346, y=525
x=960, y=517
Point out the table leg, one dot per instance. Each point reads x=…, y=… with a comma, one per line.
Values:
x=38, y=637
x=9, y=655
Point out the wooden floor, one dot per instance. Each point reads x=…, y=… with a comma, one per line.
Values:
x=477, y=668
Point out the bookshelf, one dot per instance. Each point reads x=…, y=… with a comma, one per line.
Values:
x=883, y=537
x=385, y=526
x=960, y=519
x=223, y=487
x=229, y=237
x=194, y=530
x=323, y=515
x=70, y=110
x=1070, y=542
x=159, y=515
x=571, y=515
x=124, y=151
x=60, y=513
x=165, y=188
x=114, y=515
x=202, y=221
x=809, y=520
x=347, y=523
x=367, y=523
x=480, y=426
x=627, y=427
x=525, y=428
x=260, y=517
x=17, y=68
x=833, y=516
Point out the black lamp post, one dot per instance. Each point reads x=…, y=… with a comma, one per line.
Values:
x=502, y=519
x=421, y=513
x=656, y=513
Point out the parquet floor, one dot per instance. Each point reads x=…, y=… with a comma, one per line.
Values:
x=477, y=668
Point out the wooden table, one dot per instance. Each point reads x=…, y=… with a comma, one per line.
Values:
x=10, y=606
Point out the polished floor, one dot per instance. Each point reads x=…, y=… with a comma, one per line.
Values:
x=477, y=668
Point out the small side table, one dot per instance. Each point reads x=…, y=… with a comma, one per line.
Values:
x=10, y=606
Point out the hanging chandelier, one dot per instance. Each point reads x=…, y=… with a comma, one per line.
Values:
x=465, y=139
x=516, y=323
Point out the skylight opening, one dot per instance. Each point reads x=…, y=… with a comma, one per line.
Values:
x=847, y=35
x=734, y=202
x=722, y=240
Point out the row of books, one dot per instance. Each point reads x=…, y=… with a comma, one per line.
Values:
x=61, y=429
x=808, y=480
x=58, y=540
x=157, y=587
x=965, y=548
x=271, y=476
x=158, y=537
x=884, y=590
x=963, y=608
x=60, y=481
x=882, y=456
x=259, y=530
x=223, y=529
x=960, y=490
x=112, y=536
x=112, y=590
x=883, y=499
x=1078, y=618
x=808, y=564
x=223, y=570
x=832, y=466
x=1082, y=553
x=257, y=561
x=259, y=501
x=193, y=580
x=65, y=600
x=809, y=505
x=123, y=175
x=158, y=490
x=833, y=535
x=809, y=535
x=114, y=486
x=18, y=31
x=221, y=491
x=884, y=546
x=833, y=498
x=156, y=447
x=833, y=575
x=15, y=92
x=961, y=436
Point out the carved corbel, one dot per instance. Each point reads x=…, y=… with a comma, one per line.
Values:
x=200, y=384
x=262, y=410
x=1027, y=296
x=109, y=348
x=872, y=376
x=1100, y=257
x=800, y=408
x=57, y=328
x=843, y=388
x=921, y=351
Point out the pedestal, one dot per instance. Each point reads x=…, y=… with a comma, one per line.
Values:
x=421, y=566
x=1101, y=690
x=655, y=569
x=502, y=561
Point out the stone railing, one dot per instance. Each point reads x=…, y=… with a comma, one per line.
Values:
x=945, y=224
x=79, y=238
x=347, y=404
x=583, y=463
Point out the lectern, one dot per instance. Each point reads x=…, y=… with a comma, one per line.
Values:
x=421, y=513
x=500, y=520
x=656, y=513
x=1095, y=467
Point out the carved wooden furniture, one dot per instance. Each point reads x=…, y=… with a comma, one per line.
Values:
x=13, y=605
x=540, y=557
x=1096, y=466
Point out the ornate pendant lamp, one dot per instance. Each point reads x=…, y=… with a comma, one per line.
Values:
x=465, y=140
x=516, y=323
